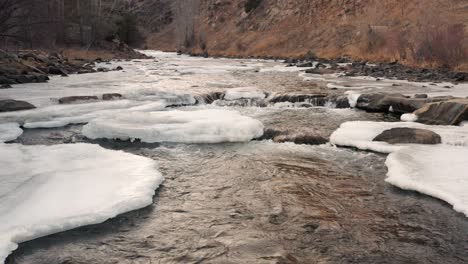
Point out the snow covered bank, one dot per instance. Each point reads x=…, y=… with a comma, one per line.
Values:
x=66, y=186
x=9, y=132
x=204, y=126
x=439, y=170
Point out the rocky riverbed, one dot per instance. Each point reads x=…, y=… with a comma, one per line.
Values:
x=289, y=196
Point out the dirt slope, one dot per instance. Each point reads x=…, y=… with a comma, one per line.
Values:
x=428, y=33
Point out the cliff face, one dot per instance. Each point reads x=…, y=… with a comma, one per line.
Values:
x=428, y=32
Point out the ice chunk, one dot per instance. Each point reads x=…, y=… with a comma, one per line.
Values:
x=203, y=126
x=439, y=171
x=66, y=186
x=244, y=93
x=9, y=132
x=436, y=170
x=360, y=134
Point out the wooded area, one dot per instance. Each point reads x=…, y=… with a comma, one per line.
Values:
x=52, y=23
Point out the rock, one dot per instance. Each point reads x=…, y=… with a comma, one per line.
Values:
x=401, y=105
x=111, y=96
x=56, y=71
x=406, y=135
x=119, y=68
x=74, y=99
x=7, y=80
x=419, y=96
x=5, y=86
x=376, y=102
x=451, y=112
x=209, y=98
x=306, y=64
x=9, y=105
x=101, y=69
x=302, y=139
x=314, y=99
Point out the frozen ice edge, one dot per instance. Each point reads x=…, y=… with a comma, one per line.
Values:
x=440, y=171
x=93, y=183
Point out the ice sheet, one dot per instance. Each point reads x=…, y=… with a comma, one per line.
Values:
x=49, y=189
x=9, y=132
x=203, y=126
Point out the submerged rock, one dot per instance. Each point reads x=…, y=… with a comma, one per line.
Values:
x=451, y=112
x=111, y=96
x=406, y=135
x=74, y=99
x=9, y=105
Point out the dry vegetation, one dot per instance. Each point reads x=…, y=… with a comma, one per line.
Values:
x=426, y=33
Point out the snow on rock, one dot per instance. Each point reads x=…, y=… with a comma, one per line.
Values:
x=62, y=187
x=9, y=132
x=360, y=134
x=438, y=171
x=244, y=93
x=203, y=126
x=409, y=118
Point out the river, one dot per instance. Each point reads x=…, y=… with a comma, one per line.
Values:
x=249, y=202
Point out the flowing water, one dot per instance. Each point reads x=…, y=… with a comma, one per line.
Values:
x=251, y=202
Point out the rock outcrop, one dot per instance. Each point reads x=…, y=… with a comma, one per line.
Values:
x=9, y=105
x=406, y=135
x=451, y=112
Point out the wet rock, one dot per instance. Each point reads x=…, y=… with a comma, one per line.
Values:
x=118, y=68
x=306, y=64
x=209, y=98
x=376, y=102
x=101, y=69
x=314, y=99
x=301, y=138
x=451, y=112
x=75, y=99
x=406, y=135
x=56, y=71
x=401, y=105
x=5, y=86
x=7, y=80
x=420, y=96
x=9, y=105
x=111, y=96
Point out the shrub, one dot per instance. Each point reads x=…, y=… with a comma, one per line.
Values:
x=443, y=45
x=251, y=5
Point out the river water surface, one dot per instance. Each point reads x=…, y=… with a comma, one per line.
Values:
x=251, y=202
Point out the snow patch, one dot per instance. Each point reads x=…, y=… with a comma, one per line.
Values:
x=9, y=132
x=438, y=171
x=409, y=118
x=203, y=126
x=62, y=187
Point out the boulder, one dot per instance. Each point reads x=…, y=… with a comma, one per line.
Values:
x=111, y=96
x=74, y=99
x=9, y=105
x=56, y=71
x=301, y=138
x=314, y=99
x=5, y=86
x=451, y=112
x=377, y=102
x=406, y=135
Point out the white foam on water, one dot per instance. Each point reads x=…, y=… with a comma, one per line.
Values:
x=203, y=126
x=244, y=93
x=9, y=132
x=50, y=189
x=439, y=170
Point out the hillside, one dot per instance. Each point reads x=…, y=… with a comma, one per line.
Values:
x=423, y=33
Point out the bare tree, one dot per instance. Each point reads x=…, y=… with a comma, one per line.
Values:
x=185, y=12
